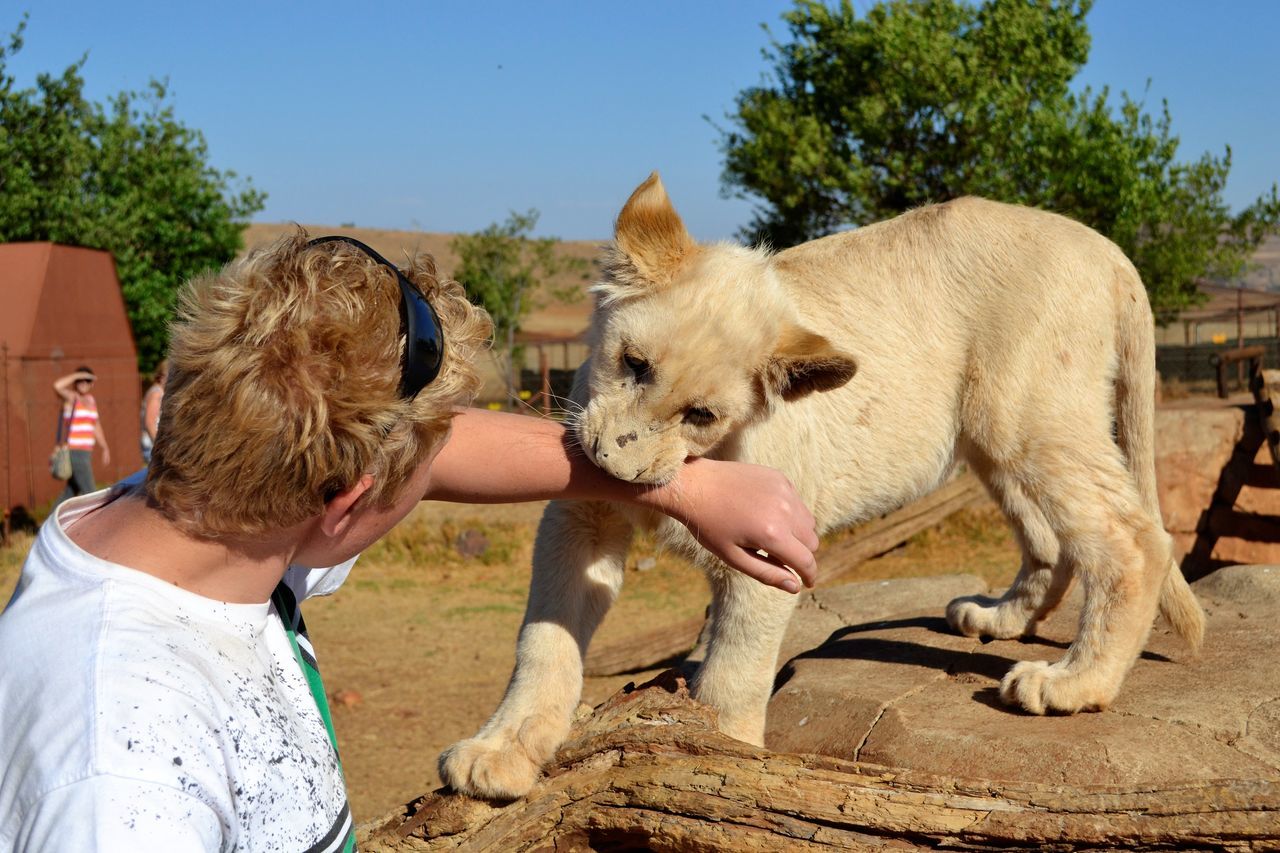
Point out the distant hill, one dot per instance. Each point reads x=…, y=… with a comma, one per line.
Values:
x=395, y=245
x=1268, y=277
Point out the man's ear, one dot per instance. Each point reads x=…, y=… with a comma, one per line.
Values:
x=650, y=239
x=804, y=362
x=337, y=510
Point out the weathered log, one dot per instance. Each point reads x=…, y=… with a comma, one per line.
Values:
x=649, y=770
x=836, y=561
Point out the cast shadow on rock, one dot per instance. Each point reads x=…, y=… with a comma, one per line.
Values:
x=844, y=644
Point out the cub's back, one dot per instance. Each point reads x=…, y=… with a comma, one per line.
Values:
x=957, y=266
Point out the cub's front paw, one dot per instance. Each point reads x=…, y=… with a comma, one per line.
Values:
x=492, y=768
x=1042, y=688
x=982, y=616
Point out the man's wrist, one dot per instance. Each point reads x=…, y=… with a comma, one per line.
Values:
x=673, y=497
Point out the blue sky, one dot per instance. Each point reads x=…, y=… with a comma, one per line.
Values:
x=444, y=116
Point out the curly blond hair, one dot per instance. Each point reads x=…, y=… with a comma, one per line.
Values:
x=284, y=387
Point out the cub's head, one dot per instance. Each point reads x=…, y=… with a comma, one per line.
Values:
x=690, y=343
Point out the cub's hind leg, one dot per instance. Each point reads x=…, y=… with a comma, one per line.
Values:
x=1078, y=480
x=578, y=565
x=1042, y=580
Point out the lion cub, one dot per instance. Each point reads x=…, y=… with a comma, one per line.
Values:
x=864, y=365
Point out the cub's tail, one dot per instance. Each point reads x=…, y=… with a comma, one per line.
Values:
x=1179, y=607
x=1135, y=432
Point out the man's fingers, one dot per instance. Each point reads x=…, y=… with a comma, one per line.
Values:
x=797, y=555
x=801, y=566
x=779, y=577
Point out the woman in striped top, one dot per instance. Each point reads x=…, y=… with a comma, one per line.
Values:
x=82, y=429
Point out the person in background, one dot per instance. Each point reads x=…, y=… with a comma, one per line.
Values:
x=151, y=409
x=83, y=430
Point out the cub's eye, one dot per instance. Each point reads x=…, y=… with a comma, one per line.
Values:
x=699, y=416
x=638, y=366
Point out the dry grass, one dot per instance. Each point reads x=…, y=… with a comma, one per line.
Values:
x=11, y=557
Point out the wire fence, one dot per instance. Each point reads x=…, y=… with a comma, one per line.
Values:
x=1191, y=365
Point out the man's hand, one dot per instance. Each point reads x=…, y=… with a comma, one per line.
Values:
x=735, y=509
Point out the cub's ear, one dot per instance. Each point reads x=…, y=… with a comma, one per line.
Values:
x=804, y=362
x=650, y=240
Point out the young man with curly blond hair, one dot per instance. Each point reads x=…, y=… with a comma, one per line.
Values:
x=157, y=690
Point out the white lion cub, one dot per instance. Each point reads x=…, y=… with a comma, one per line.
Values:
x=864, y=365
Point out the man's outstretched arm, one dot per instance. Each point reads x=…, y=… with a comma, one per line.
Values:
x=733, y=509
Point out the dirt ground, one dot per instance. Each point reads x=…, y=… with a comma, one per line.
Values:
x=417, y=646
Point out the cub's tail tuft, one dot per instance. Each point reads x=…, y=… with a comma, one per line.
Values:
x=1179, y=607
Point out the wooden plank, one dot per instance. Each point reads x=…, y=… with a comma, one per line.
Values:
x=836, y=561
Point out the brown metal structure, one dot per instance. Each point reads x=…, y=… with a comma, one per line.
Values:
x=60, y=307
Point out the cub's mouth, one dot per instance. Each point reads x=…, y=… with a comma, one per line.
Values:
x=620, y=456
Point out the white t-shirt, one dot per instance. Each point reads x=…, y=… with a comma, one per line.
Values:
x=136, y=716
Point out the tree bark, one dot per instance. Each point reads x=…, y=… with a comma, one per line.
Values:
x=649, y=770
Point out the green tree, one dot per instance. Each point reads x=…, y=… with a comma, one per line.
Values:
x=126, y=177
x=927, y=100
x=503, y=269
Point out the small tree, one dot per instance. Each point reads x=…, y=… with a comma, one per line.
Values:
x=503, y=269
x=127, y=177
x=927, y=100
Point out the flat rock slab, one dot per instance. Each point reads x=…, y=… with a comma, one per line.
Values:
x=870, y=672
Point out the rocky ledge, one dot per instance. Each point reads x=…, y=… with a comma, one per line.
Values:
x=872, y=673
